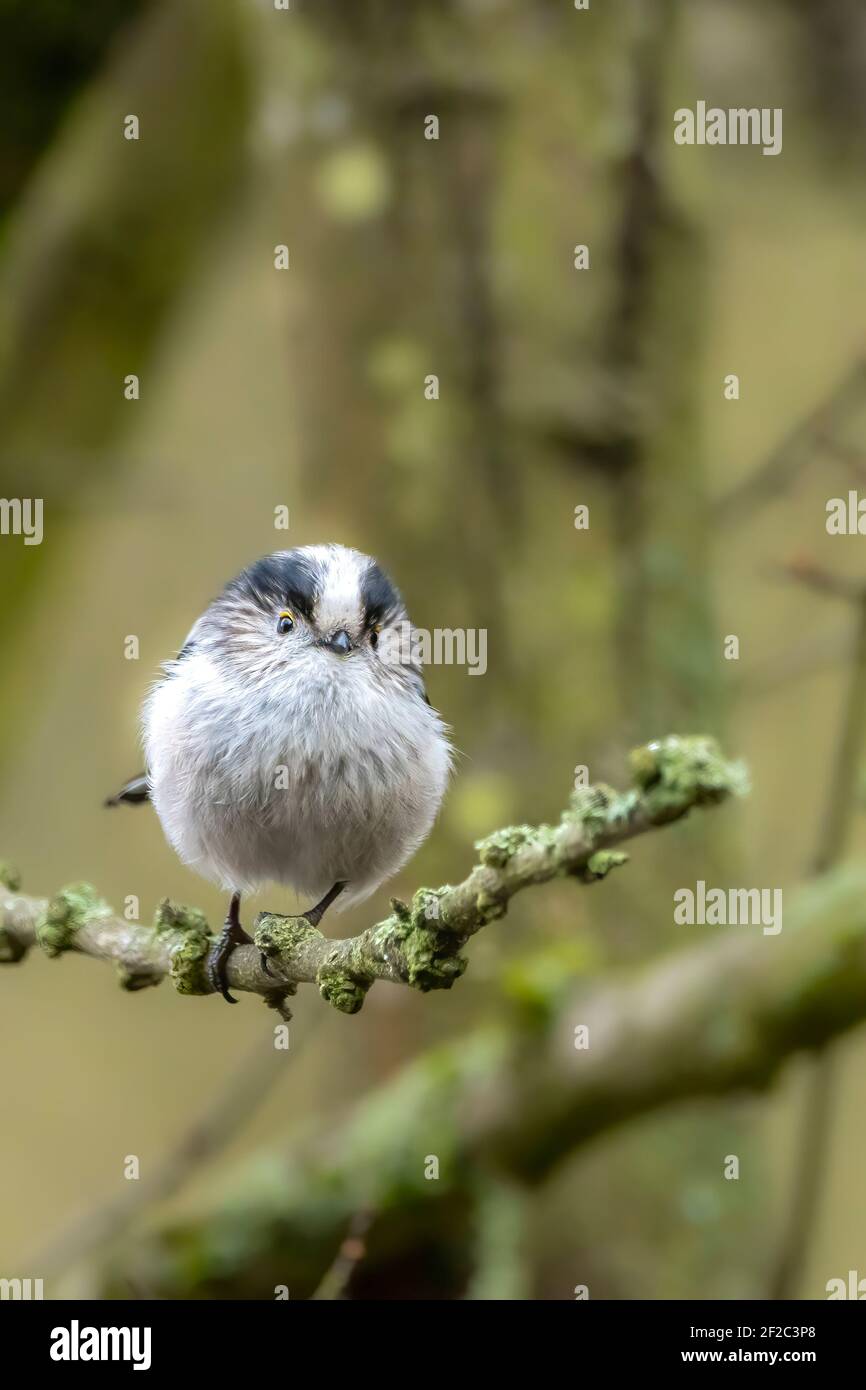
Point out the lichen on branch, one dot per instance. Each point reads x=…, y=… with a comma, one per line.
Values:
x=420, y=943
x=720, y=1017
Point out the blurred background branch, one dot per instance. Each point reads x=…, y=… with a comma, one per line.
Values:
x=833, y=838
x=515, y=1101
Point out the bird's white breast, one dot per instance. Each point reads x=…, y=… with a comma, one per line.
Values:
x=304, y=781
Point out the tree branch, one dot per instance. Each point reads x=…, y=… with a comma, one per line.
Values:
x=511, y=1103
x=833, y=834
x=419, y=944
x=779, y=471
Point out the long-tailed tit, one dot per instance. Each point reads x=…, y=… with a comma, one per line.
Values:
x=291, y=740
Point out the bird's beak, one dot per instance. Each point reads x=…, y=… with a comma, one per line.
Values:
x=339, y=642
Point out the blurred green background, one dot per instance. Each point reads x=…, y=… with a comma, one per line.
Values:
x=305, y=389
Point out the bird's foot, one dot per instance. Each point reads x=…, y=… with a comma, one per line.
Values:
x=315, y=914
x=232, y=935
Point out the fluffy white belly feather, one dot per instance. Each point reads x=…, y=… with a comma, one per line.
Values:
x=335, y=781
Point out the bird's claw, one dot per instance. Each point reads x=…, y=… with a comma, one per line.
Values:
x=232, y=935
x=216, y=965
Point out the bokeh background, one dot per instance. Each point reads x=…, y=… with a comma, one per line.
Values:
x=305, y=388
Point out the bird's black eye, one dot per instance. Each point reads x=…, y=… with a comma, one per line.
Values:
x=285, y=622
x=374, y=635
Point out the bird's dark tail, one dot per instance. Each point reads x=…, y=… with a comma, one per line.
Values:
x=133, y=794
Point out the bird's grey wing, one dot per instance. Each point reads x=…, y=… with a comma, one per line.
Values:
x=133, y=794
x=136, y=789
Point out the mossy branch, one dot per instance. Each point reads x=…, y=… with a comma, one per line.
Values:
x=507, y=1105
x=420, y=943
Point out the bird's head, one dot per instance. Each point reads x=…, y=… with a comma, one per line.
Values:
x=322, y=613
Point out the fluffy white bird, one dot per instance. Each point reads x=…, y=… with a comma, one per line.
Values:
x=291, y=740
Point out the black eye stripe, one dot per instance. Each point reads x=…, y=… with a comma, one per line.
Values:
x=279, y=581
x=379, y=597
